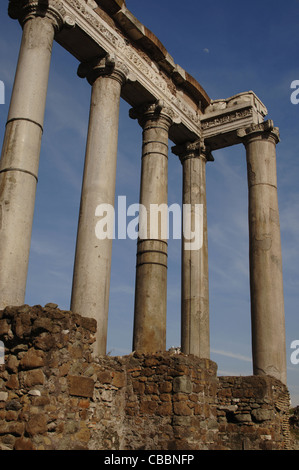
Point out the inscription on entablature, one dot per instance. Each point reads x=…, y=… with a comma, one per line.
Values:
x=227, y=118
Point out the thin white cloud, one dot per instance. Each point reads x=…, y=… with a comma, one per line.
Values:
x=238, y=356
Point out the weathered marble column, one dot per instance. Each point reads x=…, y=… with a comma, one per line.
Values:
x=91, y=278
x=151, y=270
x=195, y=330
x=22, y=142
x=266, y=282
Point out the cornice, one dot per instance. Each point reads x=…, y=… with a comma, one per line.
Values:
x=141, y=70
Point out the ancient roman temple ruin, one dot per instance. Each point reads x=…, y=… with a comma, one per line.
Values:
x=122, y=59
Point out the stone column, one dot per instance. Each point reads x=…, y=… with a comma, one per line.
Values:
x=195, y=331
x=22, y=142
x=151, y=270
x=91, y=278
x=266, y=282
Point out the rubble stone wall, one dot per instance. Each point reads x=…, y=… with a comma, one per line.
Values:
x=55, y=395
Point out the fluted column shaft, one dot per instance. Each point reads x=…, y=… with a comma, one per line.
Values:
x=151, y=270
x=266, y=281
x=195, y=330
x=91, y=278
x=21, y=147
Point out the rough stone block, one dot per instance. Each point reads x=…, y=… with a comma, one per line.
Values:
x=32, y=359
x=81, y=386
x=105, y=377
x=23, y=443
x=12, y=363
x=42, y=324
x=182, y=409
x=12, y=427
x=36, y=425
x=165, y=387
x=151, y=388
x=13, y=382
x=148, y=407
x=242, y=417
x=45, y=342
x=139, y=387
x=262, y=415
x=51, y=305
x=33, y=377
x=165, y=409
x=89, y=324
x=4, y=327
x=3, y=396
x=182, y=384
x=164, y=397
x=118, y=379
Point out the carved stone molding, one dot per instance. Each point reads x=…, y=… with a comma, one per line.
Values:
x=148, y=75
x=24, y=10
x=157, y=110
x=109, y=65
x=196, y=149
x=259, y=130
x=247, y=97
x=223, y=118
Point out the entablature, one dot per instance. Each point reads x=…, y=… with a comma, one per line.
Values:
x=224, y=117
x=97, y=33
x=93, y=30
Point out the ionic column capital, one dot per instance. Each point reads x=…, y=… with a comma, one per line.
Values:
x=196, y=149
x=108, y=66
x=24, y=10
x=154, y=111
x=260, y=131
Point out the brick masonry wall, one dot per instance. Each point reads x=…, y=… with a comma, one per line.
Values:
x=253, y=413
x=55, y=395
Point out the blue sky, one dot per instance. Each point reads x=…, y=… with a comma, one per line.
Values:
x=229, y=47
